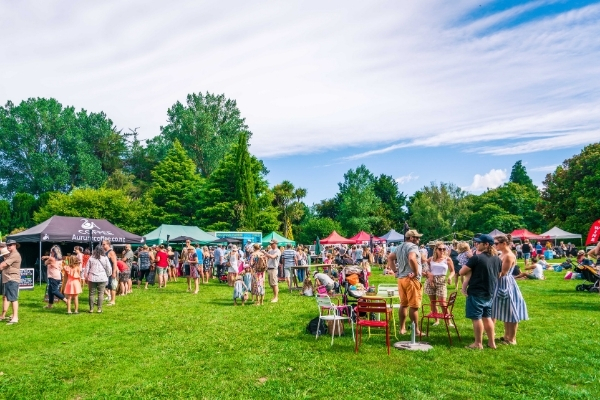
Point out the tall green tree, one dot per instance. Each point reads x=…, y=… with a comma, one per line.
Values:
x=175, y=187
x=288, y=199
x=569, y=195
x=314, y=227
x=437, y=211
x=359, y=204
x=207, y=126
x=113, y=205
x=22, y=209
x=393, y=201
x=48, y=147
x=143, y=157
x=245, y=182
x=518, y=175
x=222, y=203
x=5, y=223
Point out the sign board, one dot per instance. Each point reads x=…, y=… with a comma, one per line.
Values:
x=26, y=279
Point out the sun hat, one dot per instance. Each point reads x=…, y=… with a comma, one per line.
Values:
x=274, y=241
x=412, y=233
x=12, y=241
x=4, y=251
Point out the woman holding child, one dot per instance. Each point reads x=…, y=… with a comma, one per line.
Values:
x=258, y=279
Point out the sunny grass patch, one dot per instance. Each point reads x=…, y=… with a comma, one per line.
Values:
x=171, y=344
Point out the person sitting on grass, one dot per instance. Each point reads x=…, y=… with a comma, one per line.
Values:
x=537, y=271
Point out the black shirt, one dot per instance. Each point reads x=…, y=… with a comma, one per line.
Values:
x=454, y=258
x=484, y=275
x=526, y=248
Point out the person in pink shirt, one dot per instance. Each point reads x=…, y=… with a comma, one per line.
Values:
x=54, y=267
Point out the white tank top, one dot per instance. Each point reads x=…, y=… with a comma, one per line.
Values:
x=438, y=267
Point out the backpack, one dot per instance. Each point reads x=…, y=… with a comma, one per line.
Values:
x=261, y=264
x=312, y=327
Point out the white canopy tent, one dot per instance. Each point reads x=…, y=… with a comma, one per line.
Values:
x=557, y=233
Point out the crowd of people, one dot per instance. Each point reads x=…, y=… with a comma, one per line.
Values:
x=488, y=282
x=486, y=272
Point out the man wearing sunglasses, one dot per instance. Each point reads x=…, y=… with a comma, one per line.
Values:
x=11, y=277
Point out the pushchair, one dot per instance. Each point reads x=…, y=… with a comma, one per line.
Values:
x=589, y=274
x=354, y=283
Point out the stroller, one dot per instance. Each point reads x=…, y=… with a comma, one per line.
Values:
x=589, y=274
x=353, y=283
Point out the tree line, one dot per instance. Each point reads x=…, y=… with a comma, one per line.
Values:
x=199, y=170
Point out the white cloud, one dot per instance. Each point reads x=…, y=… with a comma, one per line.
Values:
x=309, y=76
x=407, y=178
x=546, y=168
x=491, y=180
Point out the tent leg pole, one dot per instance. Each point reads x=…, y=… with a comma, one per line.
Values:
x=40, y=261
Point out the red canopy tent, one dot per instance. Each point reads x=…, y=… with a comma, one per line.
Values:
x=363, y=236
x=523, y=234
x=336, y=238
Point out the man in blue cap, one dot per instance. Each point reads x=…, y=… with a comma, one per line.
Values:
x=484, y=267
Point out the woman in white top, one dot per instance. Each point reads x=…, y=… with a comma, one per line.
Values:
x=435, y=285
x=97, y=270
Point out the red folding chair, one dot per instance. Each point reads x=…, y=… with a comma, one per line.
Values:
x=366, y=307
x=446, y=308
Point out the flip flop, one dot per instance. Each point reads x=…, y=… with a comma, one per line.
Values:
x=473, y=348
x=12, y=322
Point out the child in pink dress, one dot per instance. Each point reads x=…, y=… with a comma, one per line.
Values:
x=73, y=285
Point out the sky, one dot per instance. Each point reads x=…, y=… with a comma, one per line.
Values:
x=424, y=91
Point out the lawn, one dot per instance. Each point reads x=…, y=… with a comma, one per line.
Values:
x=171, y=344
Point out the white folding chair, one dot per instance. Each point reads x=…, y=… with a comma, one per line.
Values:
x=384, y=290
x=331, y=312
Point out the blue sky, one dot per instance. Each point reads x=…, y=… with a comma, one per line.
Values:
x=423, y=91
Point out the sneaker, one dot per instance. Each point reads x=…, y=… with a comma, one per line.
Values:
x=274, y=300
x=12, y=322
x=450, y=324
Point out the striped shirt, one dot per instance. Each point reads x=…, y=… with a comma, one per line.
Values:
x=289, y=258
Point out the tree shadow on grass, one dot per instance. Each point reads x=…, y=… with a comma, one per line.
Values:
x=582, y=305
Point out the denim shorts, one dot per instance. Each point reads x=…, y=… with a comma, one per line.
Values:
x=478, y=307
x=527, y=256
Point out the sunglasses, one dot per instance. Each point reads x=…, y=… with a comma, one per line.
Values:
x=440, y=248
x=496, y=243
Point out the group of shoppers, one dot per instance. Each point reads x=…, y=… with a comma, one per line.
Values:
x=492, y=292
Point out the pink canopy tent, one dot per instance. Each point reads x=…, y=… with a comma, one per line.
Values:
x=363, y=236
x=336, y=238
x=523, y=234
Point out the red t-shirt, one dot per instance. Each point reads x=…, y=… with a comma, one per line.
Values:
x=122, y=266
x=162, y=259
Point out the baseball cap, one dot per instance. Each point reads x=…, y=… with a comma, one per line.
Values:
x=483, y=238
x=412, y=233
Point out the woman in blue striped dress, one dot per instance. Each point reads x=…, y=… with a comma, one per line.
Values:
x=508, y=305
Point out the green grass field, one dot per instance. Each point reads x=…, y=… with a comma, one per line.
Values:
x=172, y=344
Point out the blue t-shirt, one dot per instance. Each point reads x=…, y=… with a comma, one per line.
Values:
x=200, y=255
x=218, y=256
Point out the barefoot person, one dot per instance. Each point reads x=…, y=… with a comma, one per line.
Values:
x=484, y=267
x=406, y=261
x=11, y=277
x=508, y=305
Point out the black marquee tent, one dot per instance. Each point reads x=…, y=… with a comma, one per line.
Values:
x=73, y=230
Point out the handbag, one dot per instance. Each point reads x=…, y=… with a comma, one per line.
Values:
x=151, y=277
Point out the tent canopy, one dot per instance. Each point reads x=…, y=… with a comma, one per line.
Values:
x=336, y=238
x=159, y=235
x=75, y=229
x=281, y=240
x=393, y=236
x=496, y=232
x=525, y=234
x=363, y=236
x=557, y=233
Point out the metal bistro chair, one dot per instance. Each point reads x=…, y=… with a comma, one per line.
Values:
x=331, y=312
x=445, y=314
x=365, y=307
